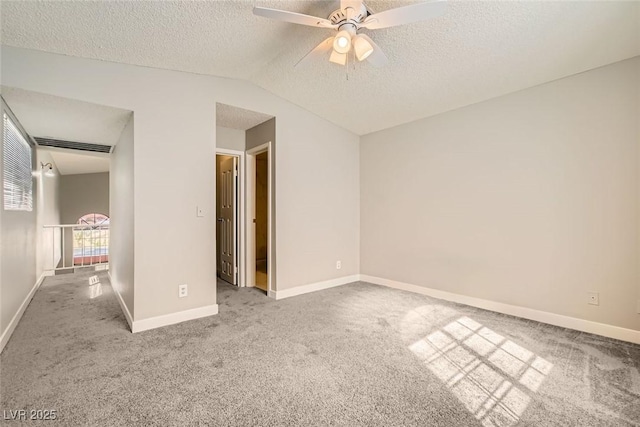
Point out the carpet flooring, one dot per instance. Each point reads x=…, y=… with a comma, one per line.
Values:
x=354, y=355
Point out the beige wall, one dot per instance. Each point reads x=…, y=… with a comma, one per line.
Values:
x=18, y=250
x=261, y=134
x=121, y=209
x=638, y=190
x=3, y=322
x=255, y=137
x=49, y=242
x=80, y=195
x=530, y=199
x=174, y=159
x=231, y=139
x=83, y=194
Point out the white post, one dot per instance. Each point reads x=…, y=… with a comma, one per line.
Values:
x=64, y=255
x=53, y=249
x=82, y=231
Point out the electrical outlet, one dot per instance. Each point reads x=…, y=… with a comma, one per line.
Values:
x=182, y=291
x=593, y=298
x=338, y=265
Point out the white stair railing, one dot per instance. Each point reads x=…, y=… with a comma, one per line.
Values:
x=76, y=246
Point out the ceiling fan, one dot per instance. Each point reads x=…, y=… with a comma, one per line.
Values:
x=353, y=16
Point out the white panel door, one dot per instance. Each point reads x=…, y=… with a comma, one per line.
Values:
x=228, y=220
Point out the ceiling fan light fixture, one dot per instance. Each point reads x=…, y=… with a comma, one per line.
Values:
x=342, y=42
x=338, y=58
x=362, y=48
x=351, y=17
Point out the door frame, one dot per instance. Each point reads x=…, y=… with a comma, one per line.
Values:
x=250, y=205
x=240, y=224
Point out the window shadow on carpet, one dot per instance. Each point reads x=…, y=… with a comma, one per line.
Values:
x=492, y=376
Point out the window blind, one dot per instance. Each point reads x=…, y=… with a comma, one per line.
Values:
x=18, y=181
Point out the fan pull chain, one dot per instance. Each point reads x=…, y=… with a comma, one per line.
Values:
x=347, y=66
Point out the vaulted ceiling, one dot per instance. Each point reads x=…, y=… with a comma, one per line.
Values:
x=476, y=51
x=232, y=117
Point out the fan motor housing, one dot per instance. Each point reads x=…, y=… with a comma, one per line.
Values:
x=348, y=15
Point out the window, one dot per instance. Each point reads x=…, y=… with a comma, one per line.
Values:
x=17, y=178
x=91, y=240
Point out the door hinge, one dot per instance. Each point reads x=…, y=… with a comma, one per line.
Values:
x=235, y=269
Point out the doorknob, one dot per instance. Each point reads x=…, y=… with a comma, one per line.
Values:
x=221, y=219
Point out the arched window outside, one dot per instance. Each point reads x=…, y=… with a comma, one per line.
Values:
x=91, y=241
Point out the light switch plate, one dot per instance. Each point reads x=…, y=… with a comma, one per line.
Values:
x=199, y=212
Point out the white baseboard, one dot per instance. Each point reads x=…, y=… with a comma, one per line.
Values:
x=583, y=325
x=305, y=289
x=123, y=306
x=6, y=334
x=173, y=318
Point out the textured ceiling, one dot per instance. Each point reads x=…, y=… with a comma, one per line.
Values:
x=70, y=120
x=69, y=163
x=238, y=118
x=67, y=119
x=477, y=51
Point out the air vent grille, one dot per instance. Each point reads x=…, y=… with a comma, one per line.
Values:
x=70, y=145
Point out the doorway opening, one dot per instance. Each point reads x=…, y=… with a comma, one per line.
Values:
x=261, y=231
x=259, y=215
x=245, y=238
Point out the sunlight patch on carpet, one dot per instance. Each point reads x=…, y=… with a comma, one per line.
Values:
x=95, y=287
x=490, y=375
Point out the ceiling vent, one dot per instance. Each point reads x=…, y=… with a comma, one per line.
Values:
x=70, y=145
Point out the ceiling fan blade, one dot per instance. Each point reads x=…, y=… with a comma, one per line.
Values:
x=405, y=15
x=377, y=58
x=293, y=17
x=318, y=51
